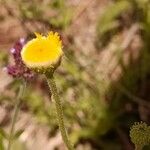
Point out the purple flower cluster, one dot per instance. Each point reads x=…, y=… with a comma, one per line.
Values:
x=19, y=70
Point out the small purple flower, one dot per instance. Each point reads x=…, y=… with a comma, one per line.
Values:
x=19, y=70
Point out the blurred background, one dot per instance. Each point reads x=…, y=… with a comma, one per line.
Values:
x=103, y=81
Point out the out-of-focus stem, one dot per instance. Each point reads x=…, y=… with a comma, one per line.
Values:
x=15, y=114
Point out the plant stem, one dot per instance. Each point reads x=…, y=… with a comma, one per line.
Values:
x=53, y=88
x=15, y=114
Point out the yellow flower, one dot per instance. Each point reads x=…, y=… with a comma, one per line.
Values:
x=43, y=51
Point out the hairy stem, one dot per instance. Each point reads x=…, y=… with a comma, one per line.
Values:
x=15, y=114
x=53, y=88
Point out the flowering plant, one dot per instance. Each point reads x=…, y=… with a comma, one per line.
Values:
x=41, y=55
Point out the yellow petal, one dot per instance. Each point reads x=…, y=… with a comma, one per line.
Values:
x=42, y=51
x=38, y=35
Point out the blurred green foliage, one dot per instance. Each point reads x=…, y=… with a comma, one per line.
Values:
x=94, y=108
x=64, y=18
x=30, y=10
x=51, y=14
x=109, y=23
x=111, y=20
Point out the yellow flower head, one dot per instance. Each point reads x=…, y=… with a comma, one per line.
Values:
x=43, y=51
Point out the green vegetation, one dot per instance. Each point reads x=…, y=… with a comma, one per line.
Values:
x=98, y=110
